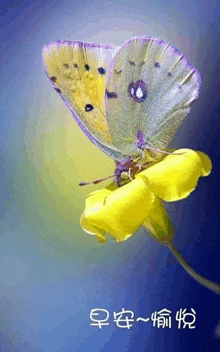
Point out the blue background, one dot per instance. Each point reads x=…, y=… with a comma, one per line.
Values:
x=52, y=273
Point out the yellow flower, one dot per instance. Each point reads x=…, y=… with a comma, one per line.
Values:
x=121, y=211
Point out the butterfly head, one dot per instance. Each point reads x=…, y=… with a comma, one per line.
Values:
x=126, y=170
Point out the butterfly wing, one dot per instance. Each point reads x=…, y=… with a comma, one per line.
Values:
x=77, y=71
x=150, y=88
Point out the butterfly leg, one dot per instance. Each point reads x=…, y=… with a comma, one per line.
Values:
x=139, y=167
x=129, y=174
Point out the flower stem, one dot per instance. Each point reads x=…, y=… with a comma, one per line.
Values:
x=203, y=281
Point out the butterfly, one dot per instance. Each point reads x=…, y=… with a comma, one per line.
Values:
x=128, y=100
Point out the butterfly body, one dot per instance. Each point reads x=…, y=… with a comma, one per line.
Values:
x=126, y=170
x=129, y=100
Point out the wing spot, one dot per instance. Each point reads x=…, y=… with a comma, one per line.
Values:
x=101, y=70
x=53, y=79
x=110, y=95
x=138, y=91
x=132, y=63
x=140, y=140
x=157, y=65
x=118, y=72
x=87, y=67
x=58, y=90
x=169, y=74
x=66, y=65
x=89, y=107
x=75, y=65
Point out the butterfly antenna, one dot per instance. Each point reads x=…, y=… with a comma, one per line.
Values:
x=95, y=181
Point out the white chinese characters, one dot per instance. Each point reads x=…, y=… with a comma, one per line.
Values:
x=161, y=319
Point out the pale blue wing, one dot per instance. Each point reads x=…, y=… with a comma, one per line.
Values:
x=150, y=88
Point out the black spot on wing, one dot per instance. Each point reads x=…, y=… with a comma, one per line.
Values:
x=118, y=72
x=53, y=79
x=57, y=90
x=75, y=65
x=110, y=95
x=87, y=67
x=89, y=107
x=156, y=64
x=169, y=74
x=66, y=65
x=132, y=63
x=101, y=70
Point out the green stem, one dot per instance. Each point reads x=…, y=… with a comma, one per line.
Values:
x=203, y=281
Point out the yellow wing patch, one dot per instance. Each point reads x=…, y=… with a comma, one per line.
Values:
x=78, y=72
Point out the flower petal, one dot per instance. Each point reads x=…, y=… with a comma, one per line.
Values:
x=176, y=176
x=92, y=230
x=206, y=163
x=158, y=222
x=119, y=212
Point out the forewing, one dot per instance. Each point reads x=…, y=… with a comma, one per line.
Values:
x=77, y=71
x=168, y=84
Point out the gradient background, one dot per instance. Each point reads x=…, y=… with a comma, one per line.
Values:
x=52, y=273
